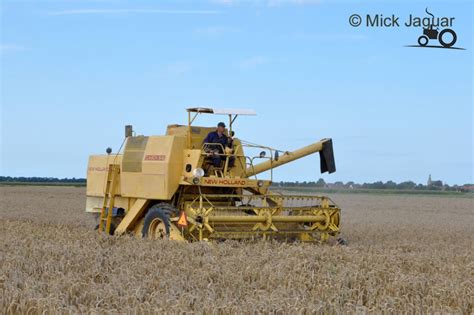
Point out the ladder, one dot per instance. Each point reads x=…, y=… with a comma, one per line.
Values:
x=106, y=213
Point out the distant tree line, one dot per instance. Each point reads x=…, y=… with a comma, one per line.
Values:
x=406, y=185
x=9, y=179
x=320, y=183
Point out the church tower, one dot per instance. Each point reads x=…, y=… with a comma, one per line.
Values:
x=429, y=181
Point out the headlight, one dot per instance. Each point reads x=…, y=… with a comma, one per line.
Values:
x=260, y=183
x=196, y=180
x=198, y=172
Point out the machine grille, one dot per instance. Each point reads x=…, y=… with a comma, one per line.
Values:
x=133, y=154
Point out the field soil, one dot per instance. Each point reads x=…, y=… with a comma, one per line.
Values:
x=406, y=253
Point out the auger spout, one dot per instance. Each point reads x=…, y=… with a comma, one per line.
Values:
x=324, y=147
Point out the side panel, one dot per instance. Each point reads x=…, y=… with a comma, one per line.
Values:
x=193, y=158
x=158, y=176
x=97, y=173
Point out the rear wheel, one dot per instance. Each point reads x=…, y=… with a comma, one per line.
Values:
x=423, y=40
x=448, y=43
x=157, y=224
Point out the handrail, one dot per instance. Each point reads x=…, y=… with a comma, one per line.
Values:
x=205, y=152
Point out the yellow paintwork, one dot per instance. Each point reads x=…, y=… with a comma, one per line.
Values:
x=227, y=202
x=132, y=217
x=163, y=156
x=111, y=188
x=97, y=172
x=285, y=158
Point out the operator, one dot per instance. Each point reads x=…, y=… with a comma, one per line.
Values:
x=218, y=137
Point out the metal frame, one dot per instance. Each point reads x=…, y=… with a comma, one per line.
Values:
x=320, y=215
x=232, y=113
x=249, y=159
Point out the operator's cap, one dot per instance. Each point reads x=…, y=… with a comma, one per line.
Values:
x=221, y=124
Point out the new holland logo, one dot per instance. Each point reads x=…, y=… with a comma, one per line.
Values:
x=225, y=181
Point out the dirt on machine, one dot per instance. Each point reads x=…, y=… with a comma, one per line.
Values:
x=170, y=187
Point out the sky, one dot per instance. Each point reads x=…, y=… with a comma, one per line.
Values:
x=73, y=73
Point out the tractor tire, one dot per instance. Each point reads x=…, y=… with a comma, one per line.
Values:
x=423, y=40
x=452, y=42
x=157, y=214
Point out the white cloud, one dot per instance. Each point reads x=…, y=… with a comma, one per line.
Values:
x=328, y=36
x=291, y=2
x=7, y=48
x=270, y=3
x=253, y=62
x=215, y=31
x=226, y=2
x=121, y=11
x=179, y=68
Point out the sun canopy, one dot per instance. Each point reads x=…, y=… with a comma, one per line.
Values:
x=222, y=111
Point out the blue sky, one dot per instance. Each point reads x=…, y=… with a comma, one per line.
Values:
x=73, y=73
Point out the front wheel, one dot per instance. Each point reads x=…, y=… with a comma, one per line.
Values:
x=157, y=222
x=423, y=40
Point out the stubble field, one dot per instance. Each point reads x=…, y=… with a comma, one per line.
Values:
x=406, y=254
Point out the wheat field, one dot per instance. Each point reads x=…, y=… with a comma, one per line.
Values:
x=406, y=254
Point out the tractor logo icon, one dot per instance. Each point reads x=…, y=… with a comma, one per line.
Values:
x=447, y=37
x=431, y=32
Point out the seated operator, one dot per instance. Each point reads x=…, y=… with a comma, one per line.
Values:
x=225, y=142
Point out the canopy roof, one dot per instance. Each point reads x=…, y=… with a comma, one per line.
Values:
x=222, y=111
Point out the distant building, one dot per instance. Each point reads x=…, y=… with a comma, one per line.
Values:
x=437, y=183
x=467, y=188
x=434, y=183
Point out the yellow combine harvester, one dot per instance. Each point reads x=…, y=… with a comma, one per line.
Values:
x=177, y=186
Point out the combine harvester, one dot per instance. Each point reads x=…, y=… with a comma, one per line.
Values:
x=170, y=187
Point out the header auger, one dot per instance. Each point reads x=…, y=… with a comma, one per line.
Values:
x=177, y=186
